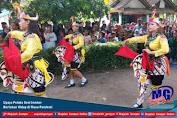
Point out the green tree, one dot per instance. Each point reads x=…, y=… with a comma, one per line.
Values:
x=175, y=1
x=61, y=10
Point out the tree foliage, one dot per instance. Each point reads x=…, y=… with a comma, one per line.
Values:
x=61, y=10
x=175, y=1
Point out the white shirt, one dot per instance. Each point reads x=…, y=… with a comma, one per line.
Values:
x=87, y=39
x=50, y=39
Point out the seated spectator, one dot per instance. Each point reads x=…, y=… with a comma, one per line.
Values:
x=87, y=37
x=102, y=39
x=50, y=37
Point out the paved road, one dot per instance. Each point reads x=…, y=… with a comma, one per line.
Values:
x=115, y=87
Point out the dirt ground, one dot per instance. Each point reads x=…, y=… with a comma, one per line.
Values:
x=115, y=87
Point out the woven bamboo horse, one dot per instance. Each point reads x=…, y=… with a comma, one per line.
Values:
x=18, y=84
x=139, y=74
x=59, y=53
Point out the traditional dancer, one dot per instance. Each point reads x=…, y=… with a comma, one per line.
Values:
x=30, y=45
x=77, y=41
x=152, y=62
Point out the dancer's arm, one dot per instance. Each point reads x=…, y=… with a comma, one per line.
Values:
x=16, y=35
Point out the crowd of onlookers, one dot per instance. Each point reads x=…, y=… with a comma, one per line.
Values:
x=51, y=35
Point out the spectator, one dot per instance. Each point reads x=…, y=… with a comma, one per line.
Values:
x=144, y=29
x=138, y=26
x=168, y=32
x=55, y=28
x=87, y=37
x=50, y=37
x=3, y=24
x=173, y=46
x=2, y=43
x=61, y=35
x=87, y=26
x=121, y=36
x=103, y=27
x=102, y=39
x=14, y=26
x=6, y=30
x=42, y=30
x=136, y=33
x=95, y=30
x=81, y=27
x=70, y=31
x=114, y=36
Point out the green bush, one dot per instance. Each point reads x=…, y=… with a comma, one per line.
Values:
x=1, y=56
x=97, y=57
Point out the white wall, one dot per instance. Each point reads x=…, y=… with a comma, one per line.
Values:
x=135, y=4
x=107, y=21
x=4, y=19
x=162, y=4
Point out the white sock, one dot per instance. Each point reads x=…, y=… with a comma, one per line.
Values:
x=71, y=81
x=139, y=102
x=84, y=79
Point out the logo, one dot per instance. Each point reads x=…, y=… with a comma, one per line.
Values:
x=4, y=113
x=89, y=113
x=55, y=114
x=142, y=113
x=162, y=95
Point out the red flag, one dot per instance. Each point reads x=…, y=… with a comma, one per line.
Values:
x=146, y=63
x=69, y=54
x=12, y=58
x=125, y=51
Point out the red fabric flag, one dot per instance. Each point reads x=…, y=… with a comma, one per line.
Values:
x=12, y=58
x=146, y=63
x=125, y=51
x=69, y=54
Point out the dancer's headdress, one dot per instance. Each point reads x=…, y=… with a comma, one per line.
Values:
x=22, y=15
x=157, y=20
x=153, y=18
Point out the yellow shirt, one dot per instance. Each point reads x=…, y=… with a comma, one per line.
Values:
x=30, y=46
x=159, y=46
x=78, y=41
